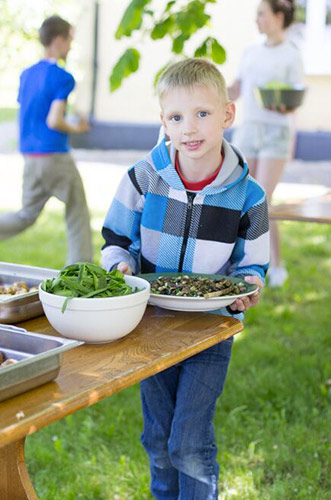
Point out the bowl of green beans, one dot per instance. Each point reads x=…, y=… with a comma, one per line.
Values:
x=85, y=302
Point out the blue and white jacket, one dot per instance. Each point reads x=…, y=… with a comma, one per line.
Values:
x=155, y=225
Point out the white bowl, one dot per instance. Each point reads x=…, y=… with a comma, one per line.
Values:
x=97, y=320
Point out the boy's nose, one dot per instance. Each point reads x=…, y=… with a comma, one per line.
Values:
x=190, y=126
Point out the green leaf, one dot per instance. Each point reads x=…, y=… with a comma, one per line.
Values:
x=132, y=18
x=163, y=28
x=158, y=74
x=169, y=5
x=202, y=50
x=178, y=43
x=192, y=18
x=218, y=53
x=128, y=63
x=178, y=20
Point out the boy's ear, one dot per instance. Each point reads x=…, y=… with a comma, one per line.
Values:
x=163, y=122
x=230, y=114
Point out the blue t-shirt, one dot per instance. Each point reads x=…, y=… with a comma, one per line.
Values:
x=40, y=85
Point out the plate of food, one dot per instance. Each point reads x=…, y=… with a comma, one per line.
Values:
x=195, y=292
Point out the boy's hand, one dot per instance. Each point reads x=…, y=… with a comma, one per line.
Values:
x=124, y=268
x=82, y=126
x=246, y=303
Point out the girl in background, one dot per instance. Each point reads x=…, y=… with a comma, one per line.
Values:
x=265, y=136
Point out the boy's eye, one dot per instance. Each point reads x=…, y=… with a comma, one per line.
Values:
x=202, y=114
x=175, y=118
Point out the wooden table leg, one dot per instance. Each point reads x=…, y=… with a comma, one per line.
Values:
x=15, y=483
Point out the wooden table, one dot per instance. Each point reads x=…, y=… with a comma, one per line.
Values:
x=90, y=373
x=305, y=210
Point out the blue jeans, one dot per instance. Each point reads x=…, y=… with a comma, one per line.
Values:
x=178, y=408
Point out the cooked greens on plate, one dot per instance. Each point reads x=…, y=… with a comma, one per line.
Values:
x=196, y=286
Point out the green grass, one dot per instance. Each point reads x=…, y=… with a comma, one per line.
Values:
x=272, y=422
x=8, y=114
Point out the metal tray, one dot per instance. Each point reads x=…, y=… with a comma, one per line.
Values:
x=27, y=305
x=39, y=359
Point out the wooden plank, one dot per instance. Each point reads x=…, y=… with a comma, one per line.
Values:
x=90, y=373
x=15, y=483
x=307, y=210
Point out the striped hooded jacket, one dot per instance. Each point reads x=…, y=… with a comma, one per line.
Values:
x=155, y=225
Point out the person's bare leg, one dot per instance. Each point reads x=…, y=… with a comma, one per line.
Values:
x=275, y=254
x=268, y=174
x=252, y=166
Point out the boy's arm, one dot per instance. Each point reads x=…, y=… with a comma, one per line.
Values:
x=121, y=229
x=250, y=257
x=234, y=90
x=56, y=119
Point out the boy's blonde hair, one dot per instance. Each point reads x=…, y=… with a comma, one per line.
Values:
x=190, y=72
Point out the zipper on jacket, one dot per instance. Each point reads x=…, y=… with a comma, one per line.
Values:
x=190, y=198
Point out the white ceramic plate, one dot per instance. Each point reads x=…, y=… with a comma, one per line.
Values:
x=194, y=304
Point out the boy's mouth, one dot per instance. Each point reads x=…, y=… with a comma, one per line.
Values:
x=192, y=145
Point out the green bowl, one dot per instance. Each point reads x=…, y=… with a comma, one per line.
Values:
x=290, y=98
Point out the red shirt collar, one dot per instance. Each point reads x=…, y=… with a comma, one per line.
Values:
x=197, y=186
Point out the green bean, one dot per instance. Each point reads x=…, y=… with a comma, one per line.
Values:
x=87, y=280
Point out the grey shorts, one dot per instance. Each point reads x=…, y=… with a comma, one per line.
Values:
x=262, y=140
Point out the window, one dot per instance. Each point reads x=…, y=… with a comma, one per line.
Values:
x=312, y=32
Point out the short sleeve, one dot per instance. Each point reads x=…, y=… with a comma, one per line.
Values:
x=64, y=84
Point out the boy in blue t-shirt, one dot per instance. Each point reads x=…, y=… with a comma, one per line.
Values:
x=49, y=169
x=189, y=206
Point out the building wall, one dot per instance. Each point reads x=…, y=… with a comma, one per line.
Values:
x=233, y=22
x=315, y=113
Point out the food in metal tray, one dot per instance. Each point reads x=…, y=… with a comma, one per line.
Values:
x=6, y=362
x=17, y=288
x=25, y=305
x=30, y=359
x=196, y=286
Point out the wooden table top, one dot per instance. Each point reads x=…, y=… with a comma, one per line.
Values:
x=305, y=210
x=90, y=373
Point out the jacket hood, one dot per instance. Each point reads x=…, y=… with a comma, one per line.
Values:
x=234, y=168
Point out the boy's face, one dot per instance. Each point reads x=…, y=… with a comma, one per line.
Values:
x=194, y=119
x=64, y=44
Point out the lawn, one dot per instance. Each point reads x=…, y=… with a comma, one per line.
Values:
x=272, y=422
x=8, y=114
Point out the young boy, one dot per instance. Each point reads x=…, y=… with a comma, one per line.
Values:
x=189, y=206
x=49, y=169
